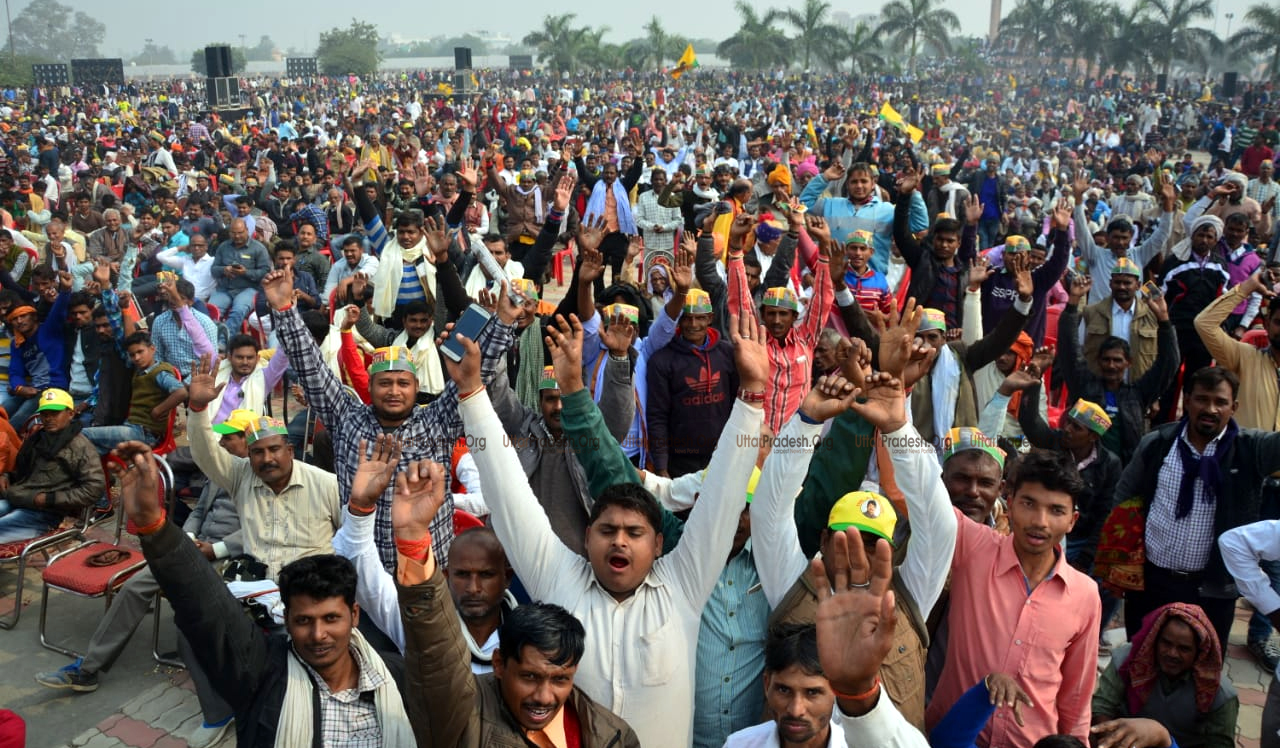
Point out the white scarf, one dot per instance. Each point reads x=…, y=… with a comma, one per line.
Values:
x=477, y=280
x=427, y=358
x=946, y=391
x=297, y=719
x=386, y=282
x=333, y=343
x=951, y=188
x=253, y=388
x=538, y=213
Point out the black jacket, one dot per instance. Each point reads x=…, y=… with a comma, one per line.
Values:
x=1252, y=456
x=248, y=668
x=925, y=267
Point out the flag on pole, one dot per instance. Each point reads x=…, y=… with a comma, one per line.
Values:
x=890, y=115
x=688, y=61
x=808, y=128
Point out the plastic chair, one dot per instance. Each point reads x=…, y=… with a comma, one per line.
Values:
x=215, y=314
x=19, y=553
x=69, y=571
x=557, y=263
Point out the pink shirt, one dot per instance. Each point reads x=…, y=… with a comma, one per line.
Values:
x=1048, y=640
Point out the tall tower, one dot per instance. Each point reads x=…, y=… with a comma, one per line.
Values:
x=994, y=27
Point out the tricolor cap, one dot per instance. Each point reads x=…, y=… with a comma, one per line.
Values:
x=697, y=301
x=54, y=399
x=393, y=358
x=1015, y=243
x=782, y=297
x=262, y=427
x=966, y=438
x=860, y=238
x=632, y=313
x=548, y=381
x=1125, y=266
x=236, y=423
x=1091, y=416
x=866, y=511
x=941, y=170
x=525, y=288
x=933, y=319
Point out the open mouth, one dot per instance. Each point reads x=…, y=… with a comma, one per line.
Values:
x=1037, y=539
x=618, y=563
x=538, y=714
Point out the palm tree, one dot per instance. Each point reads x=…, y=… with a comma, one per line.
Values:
x=1032, y=26
x=555, y=41
x=1169, y=24
x=909, y=22
x=756, y=44
x=1261, y=35
x=811, y=26
x=1127, y=38
x=657, y=40
x=860, y=48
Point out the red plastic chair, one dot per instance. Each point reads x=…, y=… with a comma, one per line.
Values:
x=557, y=263
x=70, y=571
x=214, y=313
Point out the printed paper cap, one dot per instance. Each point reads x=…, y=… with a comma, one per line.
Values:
x=262, y=427
x=697, y=301
x=934, y=319
x=53, y=399
x=1091, y=416
x=1125, y=266
x=866, y=511
x=548, y=381
x=632, y=313
x=966, y=438
x=941, y=170
x=861, y=238
x=1017, y=243
x=393, y=358
x=782, y=297
x=525, y=288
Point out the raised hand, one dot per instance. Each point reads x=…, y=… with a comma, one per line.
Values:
x=829, y=397
x=436, y=231
x=1160, y=306
x=618, y=335
x=1062, y=215
x=1042, y=358
x=834, y=172
x=564, y=342
x=907, y=181
x=1018, y=264
x=592, y=266
x=682, y=271
x=750, y=352
x=1018, y=380
x=418, y=497
x=102, y=273
x=921, y=362
x=350, y=316
x=896, y=341
x=1079, y=287
x=467, y=175
x=139, y=483
x=738, y=230
x=973, y=209
x=591, y=232
x=203, y=388
x=1005, y=692
x=855, y=618
x=278, y=286
x=979, y=271
x=465, y=373
x=374, y=471
x=1079, y=186
x=819, y=231
x=1169, y=196
x=885, y=404
x=65, y=281
x=564, y=193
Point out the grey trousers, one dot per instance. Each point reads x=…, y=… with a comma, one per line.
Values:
x=127, y=610
x=1271, y=718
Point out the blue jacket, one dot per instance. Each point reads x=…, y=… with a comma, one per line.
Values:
x=843, y=217
x=41, y=360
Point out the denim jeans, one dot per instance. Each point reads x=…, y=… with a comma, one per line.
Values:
x=988, y=232
x=19, y=408
x=1259, y=626
x=21, y=524
x=105, y=438
x=234, y=308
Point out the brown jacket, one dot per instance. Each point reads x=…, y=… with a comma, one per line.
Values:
x=903, y=669
x=454, y=708
x=1142, y=336
x=70, y=482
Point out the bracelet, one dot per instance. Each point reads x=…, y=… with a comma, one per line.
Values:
x=284, y=309
x=806, y=419
x=416, y=550
x=469, y=395
x=201, y=409
x=875, y=686
x=360, y=511
x=751, y=398
x=149, y=529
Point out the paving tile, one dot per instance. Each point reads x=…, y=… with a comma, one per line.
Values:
x=104, y=741
x=1249, y=722
x=135, y=733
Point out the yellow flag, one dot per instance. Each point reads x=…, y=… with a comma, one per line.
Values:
x=890, y=115
x=687, y=62
x=813, y=136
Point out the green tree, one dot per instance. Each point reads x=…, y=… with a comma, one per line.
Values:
x=1261, y=35
x=1032, y=26
x=812, y=28
x=353, y=49
x=263, y=50
x=756, y=44
x=50, y=30
x=1170, y=31
x=859, y=48
x=238, y=62
x=557, y=42
x=910, y=22
x=155, y=55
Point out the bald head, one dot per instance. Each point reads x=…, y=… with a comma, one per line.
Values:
x=239, y=232
x=478, y=539
x=478, y=579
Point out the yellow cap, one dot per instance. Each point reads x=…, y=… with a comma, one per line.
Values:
x=236, y=423
x=52, y=399
x=866, y=511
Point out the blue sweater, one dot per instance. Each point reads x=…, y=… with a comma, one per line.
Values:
x=41, y=360
x=876, y=216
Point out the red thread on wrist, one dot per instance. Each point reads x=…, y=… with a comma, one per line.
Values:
x=751, y=398
x=150, y=529
x=875, y=686
x=361, y=511
x=284, y=309
x=463, y=398
x=416, y=550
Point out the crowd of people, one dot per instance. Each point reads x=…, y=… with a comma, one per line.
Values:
x=864, y=409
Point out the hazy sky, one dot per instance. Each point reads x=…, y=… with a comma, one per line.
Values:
x=300, y=24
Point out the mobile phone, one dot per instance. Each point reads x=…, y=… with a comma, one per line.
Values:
x=469, y=325
x=1150, y=288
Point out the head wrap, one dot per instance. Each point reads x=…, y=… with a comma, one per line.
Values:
x=769, y=229
x=1125, y=266
x=1091, y=416
x=548, y=381
x=697, y=301
x=1140, y=670
x=934, y=319
x=780, y=175
x=1182, y=250
x=866, y=511
x=966, y=438
x=782, y=297
x=806, y=169
x=1237, y=178
x=393, y=358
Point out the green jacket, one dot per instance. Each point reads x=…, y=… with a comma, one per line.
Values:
x=839, y=465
